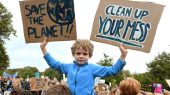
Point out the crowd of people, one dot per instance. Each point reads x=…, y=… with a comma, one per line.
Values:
x=129, y=86
x=9, y=86
x=18, y=86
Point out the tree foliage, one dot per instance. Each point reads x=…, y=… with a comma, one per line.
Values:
x=114, y=80
x=6, y=27
x=159, y=68
x=23, y=72
x=145, y=80
x=106, y=61
x=4, y=59
x=51, y=73
x=30, y=72
x=11, y=71
x=27, y=72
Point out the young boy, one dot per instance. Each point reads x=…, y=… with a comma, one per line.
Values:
x=81, y=74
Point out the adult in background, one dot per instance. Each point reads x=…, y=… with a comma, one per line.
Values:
x=129, y=86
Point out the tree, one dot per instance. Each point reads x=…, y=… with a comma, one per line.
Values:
x=23, y=72
x=145, y=80
x=114, y=80
x=159, y=68
x=52, y=73
x=6, y=27
x=27, y=72
x=11, y=71
x=4, y=59
x=106, y=61
x=122, y=75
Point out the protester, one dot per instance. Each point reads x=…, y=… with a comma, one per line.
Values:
x=81, y=74
x=9, y=84
x=166, y=92
x=129, y=86
x=1, y=84
x=16, y=83
x=114, y=91
x=58, y=90
x=157, y=88
x=103, y=93
x=16, y=91
x=141, y=92
x=27, y=92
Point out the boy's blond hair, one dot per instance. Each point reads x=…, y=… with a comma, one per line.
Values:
x=82, y=43
x=129, y=86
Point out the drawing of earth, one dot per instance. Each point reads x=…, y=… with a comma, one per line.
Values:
x=61, y=11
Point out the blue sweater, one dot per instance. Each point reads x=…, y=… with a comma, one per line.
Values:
x=81, y=78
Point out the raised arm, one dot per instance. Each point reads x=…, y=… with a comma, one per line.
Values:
x=43, y=46
x=123, y=52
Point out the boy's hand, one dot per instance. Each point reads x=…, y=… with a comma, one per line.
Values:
x=43, y=45
x=123, y=51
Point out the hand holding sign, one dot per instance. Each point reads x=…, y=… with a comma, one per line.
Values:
x=123, y=52
x=43, y=45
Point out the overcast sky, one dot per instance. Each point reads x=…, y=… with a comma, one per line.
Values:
x=22, y=54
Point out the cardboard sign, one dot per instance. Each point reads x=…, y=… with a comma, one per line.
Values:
x=129, y=22
x=54, y=19
x=37, y=84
